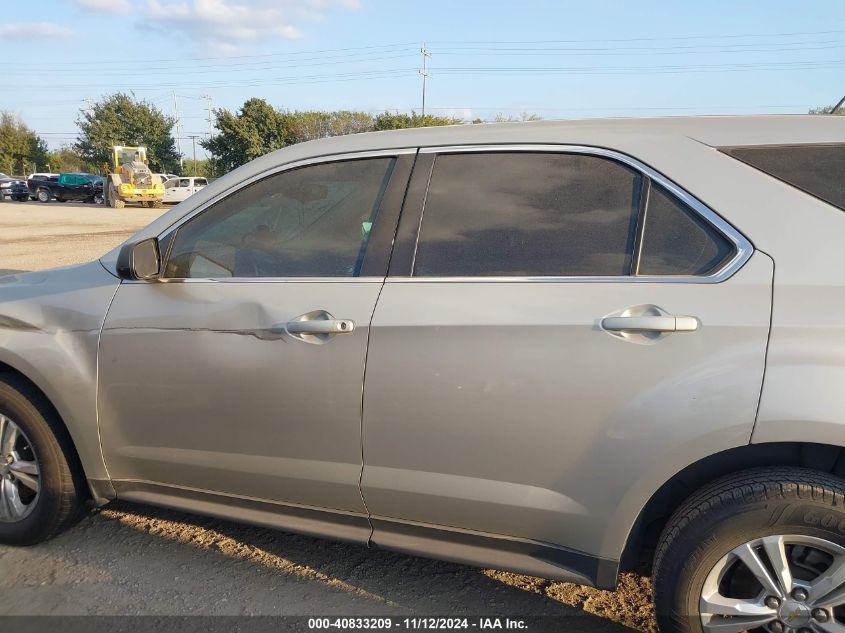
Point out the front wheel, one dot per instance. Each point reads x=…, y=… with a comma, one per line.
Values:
x=98, y=198
x=43, y=195
x=40, y=494
x=761, y=550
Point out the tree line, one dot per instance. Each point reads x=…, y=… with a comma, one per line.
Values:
x=238, y=137
x=255, y=129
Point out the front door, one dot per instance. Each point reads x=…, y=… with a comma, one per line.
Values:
x=566, y=326
x=241, y=371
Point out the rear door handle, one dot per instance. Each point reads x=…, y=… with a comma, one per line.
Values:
x=649, y=323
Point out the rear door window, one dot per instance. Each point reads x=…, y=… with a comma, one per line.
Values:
x=528, y=214
x=678, y=241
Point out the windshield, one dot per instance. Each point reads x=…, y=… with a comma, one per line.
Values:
x=131, y=154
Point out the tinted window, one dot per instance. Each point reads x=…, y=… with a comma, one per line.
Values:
x=307, y=222
x=184, y=182
x=527, y=214
x=677, y=241
x=200, y=182
x=817, y=169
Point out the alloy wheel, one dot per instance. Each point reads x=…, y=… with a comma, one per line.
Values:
x=777, y=584
x=20, y=477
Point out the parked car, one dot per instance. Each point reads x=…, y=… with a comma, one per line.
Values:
x=13, y=188
x=69, y=186
x=564, y=349
x=39, y=176
x=178, y=189
x=165, y=177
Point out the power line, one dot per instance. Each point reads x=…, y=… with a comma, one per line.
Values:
x=255, y=56
x=643, y=39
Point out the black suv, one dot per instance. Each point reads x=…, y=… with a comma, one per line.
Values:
x=64, y=187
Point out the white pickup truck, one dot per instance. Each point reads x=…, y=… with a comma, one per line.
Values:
x=177, y=189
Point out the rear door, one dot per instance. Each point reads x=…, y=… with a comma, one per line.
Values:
x=556, y=323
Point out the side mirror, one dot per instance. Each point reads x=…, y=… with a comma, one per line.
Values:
x=139, y=260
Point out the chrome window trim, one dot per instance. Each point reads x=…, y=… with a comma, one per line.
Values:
x=257, y=280
x=272, y=171
x=744, y=248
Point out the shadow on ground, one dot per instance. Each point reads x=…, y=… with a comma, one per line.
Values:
x=237, y=569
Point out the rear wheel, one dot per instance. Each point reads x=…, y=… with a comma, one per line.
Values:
x=40, y=495
x=23, y=198
x=43, y=195
x=762, y=550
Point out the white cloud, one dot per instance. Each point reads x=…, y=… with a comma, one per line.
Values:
x=106, y=6
x=32, y=29
x=224, y=24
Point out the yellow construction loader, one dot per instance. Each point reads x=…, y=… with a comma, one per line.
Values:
x=128, y=179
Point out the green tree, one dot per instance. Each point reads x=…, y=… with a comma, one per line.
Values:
x=255, y=130
x=203, y=167
x=400, y=121
x=122, y=120
x=21, y=149
x=313, y=124
x=66, y=158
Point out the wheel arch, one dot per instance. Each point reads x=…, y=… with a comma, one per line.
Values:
x=642, y=538
x=66, y=439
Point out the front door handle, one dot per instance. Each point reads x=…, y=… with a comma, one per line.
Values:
x=317, y=326
x=321, y=326
x=650, y=323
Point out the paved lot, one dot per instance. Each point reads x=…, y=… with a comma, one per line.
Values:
x=133, y=560
x=35, y=235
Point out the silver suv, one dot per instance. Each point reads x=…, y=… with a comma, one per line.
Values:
x=562, y=348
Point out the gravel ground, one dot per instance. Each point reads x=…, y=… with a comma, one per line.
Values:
x=127, y=559
x=34, y=236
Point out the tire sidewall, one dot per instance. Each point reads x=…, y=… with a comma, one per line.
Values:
x=30, y=420
x=690, y=560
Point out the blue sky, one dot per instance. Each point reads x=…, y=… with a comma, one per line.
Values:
x=558, y=59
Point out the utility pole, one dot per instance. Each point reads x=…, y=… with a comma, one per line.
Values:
x=424, y=73
x=194, y=138
x=178, y=131
x=210, y=127
x=208, y=107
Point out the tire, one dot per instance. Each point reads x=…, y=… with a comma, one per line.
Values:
x=798, y=511
x=22, y=198
x=43, y=195
x=60, y=501
x=98, y=198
